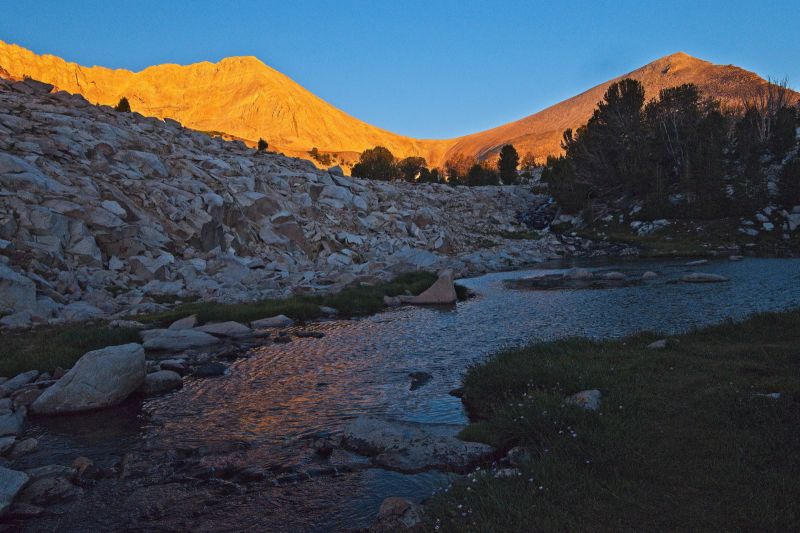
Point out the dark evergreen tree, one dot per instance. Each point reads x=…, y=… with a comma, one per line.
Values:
x=376, y=163
x=262, y=146
x=123, y=105
x=410, y=168
x=507, y=164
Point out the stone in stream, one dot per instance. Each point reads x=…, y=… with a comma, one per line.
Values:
x=702, y=277
x=178, y=340
x=49, y=490
x=162, y=381
x=698, y=262
x=226, y=329
x=176, y=365
x=280, y=321
x=101, y=378
x=649, y=275
x=442, y=292
x=24, y=447
x=397, y=514
x=6, y=443
x=209, y=370
x=419, y=379
x=11, y=482
x=11, y=423
x=578, y=274
x=614, y=276
x=411, y=446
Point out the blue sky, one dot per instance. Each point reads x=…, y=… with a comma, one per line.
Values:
x=422, y=68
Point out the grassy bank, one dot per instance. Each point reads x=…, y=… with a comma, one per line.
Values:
x=700, y=238
x=49, y=347
x=683, y=439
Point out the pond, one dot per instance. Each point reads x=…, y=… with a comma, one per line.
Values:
x=278, y=398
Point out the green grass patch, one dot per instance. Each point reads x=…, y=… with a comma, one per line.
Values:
x=683, y=441
x=354, y=301
x=48, y=347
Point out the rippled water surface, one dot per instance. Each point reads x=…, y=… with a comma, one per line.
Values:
x=279, y=396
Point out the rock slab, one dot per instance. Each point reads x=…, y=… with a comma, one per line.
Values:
x=411, y=446
x=101, y=378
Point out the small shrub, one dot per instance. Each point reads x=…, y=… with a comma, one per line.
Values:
x=123, y=106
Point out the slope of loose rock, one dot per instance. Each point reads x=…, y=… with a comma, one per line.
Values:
x=102, y=212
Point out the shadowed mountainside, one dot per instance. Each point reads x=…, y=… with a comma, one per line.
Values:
x=246, y=99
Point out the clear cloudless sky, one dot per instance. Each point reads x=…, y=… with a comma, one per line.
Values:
x=425, y=68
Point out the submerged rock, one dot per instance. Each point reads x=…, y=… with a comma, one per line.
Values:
x=101, y=378
x=397, y=514
x=419, y=379
x=162, y=381
x=210, y=370
x=412, y=446
x=702, y=277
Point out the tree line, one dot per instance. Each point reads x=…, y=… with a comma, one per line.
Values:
x=681, y=154
x=379, y=163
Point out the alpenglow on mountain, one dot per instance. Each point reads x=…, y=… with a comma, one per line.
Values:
x=244, y=98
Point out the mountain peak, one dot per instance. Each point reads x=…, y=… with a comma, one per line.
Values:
x=244, y=97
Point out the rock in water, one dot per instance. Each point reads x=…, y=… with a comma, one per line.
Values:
x=101, y=378
x=280, y=321
x=178, y=340
x=209, y=370
x=397, y=514
x=226, y=329
x=11, y=482
x=701, y=277
x=578, y=274
x=162, y=381
x=11, y=423
x=411, y=446
x=442, y=292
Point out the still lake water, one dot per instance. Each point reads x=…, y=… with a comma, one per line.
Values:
x=279, y=397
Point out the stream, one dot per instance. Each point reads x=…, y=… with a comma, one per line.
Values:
x=278, y=398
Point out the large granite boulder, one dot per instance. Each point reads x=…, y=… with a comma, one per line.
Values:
x=101, y=378
x=442, y=292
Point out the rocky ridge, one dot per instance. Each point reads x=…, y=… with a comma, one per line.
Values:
x=102, y=213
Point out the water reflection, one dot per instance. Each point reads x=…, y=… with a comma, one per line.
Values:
x=279, y=395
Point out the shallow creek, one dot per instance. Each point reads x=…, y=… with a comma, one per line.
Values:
x=277, y=398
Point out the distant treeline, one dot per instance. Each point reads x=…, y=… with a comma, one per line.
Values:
x=507, y=169
x=682, y=154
